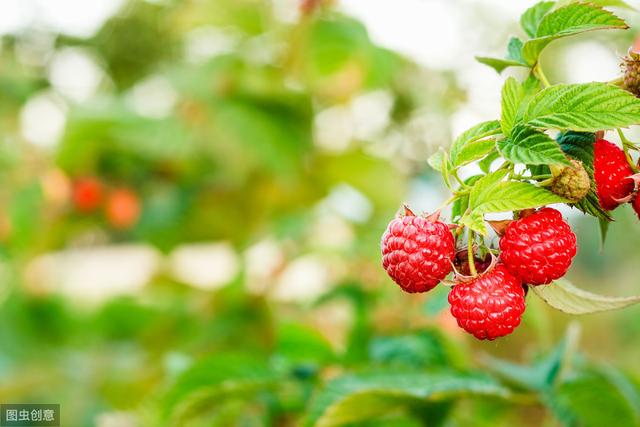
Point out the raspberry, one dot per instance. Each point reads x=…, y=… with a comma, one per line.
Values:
x=538, y=248
x=417, y=252
x=571, y=182
x=123, y=208
x=489, y=306
x=87, y=194
x=636, y=204
x=611, y=171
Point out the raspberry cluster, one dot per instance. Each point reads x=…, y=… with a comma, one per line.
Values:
x=419, y=252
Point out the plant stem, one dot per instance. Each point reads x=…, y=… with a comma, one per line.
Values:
x=461, y=182
x=546, y=182
x=626, y=144
x=472, y=263
x=537, y=70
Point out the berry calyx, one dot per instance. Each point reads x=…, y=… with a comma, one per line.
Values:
x=571, y=182
x=612, y=174
x=538, y=248
x=87, y=194
x=490, y=305
x=417, y=251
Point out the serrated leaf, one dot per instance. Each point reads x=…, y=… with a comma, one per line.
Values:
x=602, y=3
x=582, y=107
x=475, y=150
x=499, y=64
x=491, y=194
x=514, y=50
x=563, y=296
x=529, y=146
x=512, y=95
x=471, y=135
x=357, y=398
x=485, y=164
x=436, y=159
x=530, y=19
x=566, y=21
x=579, y=145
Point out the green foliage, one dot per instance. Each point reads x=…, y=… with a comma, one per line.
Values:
x=565, y=297
x=493, y=194
x=582, y=107
x=356, y=398
x=529, y=146
x=472, y=144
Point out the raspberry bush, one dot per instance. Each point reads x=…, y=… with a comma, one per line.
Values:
x=548, y=147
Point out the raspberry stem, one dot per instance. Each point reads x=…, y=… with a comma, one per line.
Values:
x=537, y=71
x=626, y=145
x=472, y=264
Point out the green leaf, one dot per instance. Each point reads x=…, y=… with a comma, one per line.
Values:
x=572, y=19
x=419, y=350
x=485, y=164
x=604, y=230
x=357, y=398
x=514, y=51
x=492, y=194
x=530, y=19
x=565, y=297
x=436, y=159
x=475, y=150
x=573, y=402
x=529, y=146
x=512, y=95
x=602, y=3
x=215, y=378
x=579, y=145
x=459, y=156
x=583, y=107
x=499, y=64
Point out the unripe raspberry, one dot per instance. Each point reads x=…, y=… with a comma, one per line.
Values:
x=538, y=248
x=417, y=252
x=611, y=171
x=489, y=306
x=571, y=182
x=631, y=69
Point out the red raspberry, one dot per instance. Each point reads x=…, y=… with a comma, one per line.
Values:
x=417, y=252
x=538, y=248
x=87, y=194
x=636, y=204
x=610, y=172
x=123, y=208
x=489, y=306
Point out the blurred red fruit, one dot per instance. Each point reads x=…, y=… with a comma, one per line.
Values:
x=87, y=194
x=123, y=208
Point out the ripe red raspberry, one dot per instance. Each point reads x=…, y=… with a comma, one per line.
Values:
x=538, y=248
x=417, y=252
x=636, y=204
x=611, y=171
x=87, y=194
x=489, y=306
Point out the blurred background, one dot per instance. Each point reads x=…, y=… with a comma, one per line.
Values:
x=190, y=189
